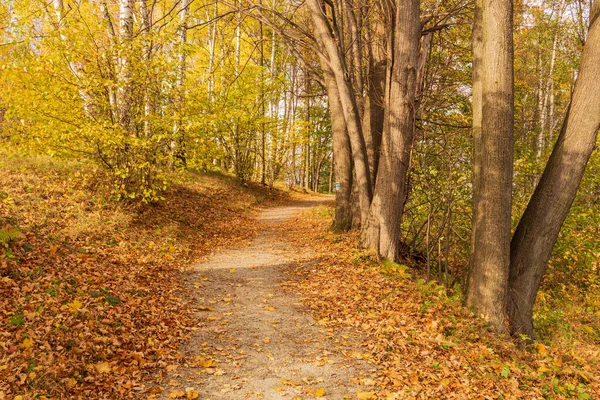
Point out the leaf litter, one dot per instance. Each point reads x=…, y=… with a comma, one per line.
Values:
x=91, y=302
x=421, y=341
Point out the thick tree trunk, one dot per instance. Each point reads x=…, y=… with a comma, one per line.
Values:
x=534, y=238
x=488, y=275
x=373, y=117
x=342, y=156
x=382, y=231
x=349, y=107
x=477, y=103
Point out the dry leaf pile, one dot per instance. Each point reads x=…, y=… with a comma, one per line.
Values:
x=423, y=342
x=91, y=302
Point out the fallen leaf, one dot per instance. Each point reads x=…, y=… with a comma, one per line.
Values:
x=175, y=394
x=191, y=394
x=541, y=349
x=320, y=392
x=73, y=306
x=26, y=344
x=208, y=363
x=103, y=367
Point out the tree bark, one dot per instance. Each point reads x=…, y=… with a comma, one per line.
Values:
x=342, y=156
x=177, y=142
x=538, y=229
x=374, y=113
x=382, y=231
x=488, y=275
x=124, y=91
x=148, y=96
x=348, y=103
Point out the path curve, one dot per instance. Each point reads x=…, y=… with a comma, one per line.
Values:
x=255, y=340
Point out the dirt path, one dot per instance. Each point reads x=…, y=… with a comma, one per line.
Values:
x=255, y=340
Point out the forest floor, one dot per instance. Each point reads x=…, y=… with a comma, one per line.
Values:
x=255, y=339
x=298, y=312
x=228, y=291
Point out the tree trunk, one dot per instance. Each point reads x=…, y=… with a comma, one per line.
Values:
x=382, y=231
x=539, y=143
x=349, y=107
x=488, y=275
x=342, y=157
x=534, y=238
x=148, y=97
x=373, y=117
x=125, y=92
x=177, y=149
x=212, y=41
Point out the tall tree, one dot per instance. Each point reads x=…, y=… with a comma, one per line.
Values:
x=382, y=231
x=335, y=58
x=124, y=93
x=488, y=275
x=540, y=224
x=341, y=154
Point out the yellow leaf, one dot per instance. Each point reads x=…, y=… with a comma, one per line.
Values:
x=191, y=394
x=73, y=306
x=208, y=363
x=103, y=367
x=26, y=344
x=204, y=308
x=541, y=349
x=366, y=395
x=71, y=382
x=232, y=271
x=320, y=392
x=18, y=397
x=270, y=308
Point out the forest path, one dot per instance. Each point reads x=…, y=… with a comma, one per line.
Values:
x=255, y=341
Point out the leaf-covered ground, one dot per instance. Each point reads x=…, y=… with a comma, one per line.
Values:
x=423, y=343
x=93, y=302
x=254, y=340
x=90, y=292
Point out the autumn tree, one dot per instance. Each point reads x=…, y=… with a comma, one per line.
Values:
x=489, y=264
x=540, y=224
